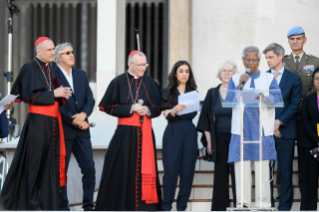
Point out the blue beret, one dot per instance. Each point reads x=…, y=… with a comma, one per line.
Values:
x=296, y=31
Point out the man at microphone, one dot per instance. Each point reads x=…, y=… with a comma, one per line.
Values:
x=75, y=115
x=253, y=78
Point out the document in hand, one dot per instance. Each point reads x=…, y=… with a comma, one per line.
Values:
x=9, y=98
x=191, y=100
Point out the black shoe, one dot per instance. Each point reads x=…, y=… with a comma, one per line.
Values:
x=278, y=197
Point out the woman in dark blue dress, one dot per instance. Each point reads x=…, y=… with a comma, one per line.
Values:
x=215, y=124
x=180, y=138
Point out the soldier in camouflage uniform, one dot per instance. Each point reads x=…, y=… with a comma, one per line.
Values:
x=302, y=64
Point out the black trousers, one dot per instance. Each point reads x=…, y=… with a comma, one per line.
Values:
x=82, y=150
x=300, y=155
x=221, y=174
x=309, y=195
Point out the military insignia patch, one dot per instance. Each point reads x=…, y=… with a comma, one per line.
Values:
x=308, y=68
x=301, y=30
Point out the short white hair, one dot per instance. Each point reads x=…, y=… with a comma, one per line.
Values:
x=58, y=49
x=131, y=59
x=251, y=49
x=229, y=62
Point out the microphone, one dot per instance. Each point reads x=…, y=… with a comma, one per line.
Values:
x=90, y=125
x=243, y=83
x=141, y=102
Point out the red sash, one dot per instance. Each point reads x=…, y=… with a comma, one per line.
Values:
x=148, y=171
x=53, y=111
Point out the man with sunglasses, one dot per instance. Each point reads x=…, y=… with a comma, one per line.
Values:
x=75, y=115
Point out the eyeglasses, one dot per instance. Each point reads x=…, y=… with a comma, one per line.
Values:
x=227, y=72
x=141, y=65
x=68, y=53
x=253, y=61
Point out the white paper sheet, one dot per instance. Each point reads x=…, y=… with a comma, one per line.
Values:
x=9, y=98
x=191, y=100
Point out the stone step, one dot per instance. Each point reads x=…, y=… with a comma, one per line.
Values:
x=202, y=205
x=204, y=165
x=207, y=177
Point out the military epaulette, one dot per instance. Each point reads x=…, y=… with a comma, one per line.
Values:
x=287, y=55
x=310, y=55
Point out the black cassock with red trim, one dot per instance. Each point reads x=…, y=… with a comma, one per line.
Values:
x=124, y=174
x=35, y=175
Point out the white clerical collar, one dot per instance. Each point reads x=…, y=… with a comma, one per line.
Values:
x=129, y=71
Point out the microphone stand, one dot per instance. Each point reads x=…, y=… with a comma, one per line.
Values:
x=138, y=40
x=13, y=9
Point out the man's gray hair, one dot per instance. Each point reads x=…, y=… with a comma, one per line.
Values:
x=40, y=45
x=229, y=62
x=58, y=50
x=131, y=59
x=276, y=48
x=251, y=49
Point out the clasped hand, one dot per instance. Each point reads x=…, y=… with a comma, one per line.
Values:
x=140, y=109
x=62, y=92
x=79, y=120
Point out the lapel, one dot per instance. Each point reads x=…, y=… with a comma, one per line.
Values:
x=290, y=64
x=303, y=62
x=75, y=82
x=313, y=103
x=284, y=79
x=62, y=78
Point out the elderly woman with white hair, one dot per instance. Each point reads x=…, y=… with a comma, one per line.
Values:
x=215, y=124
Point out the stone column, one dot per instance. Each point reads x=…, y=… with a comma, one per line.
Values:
x=110, y=43
x=180, y=26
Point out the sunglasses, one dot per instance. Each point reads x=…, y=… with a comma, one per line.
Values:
x=68, y=52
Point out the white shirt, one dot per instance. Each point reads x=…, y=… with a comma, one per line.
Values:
x=295, y=57
x=68, y=78
x=281, y=71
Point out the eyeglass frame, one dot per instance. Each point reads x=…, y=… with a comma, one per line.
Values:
x=67, y=53
x=253, y=61
x=227, y=71
x=141, y=65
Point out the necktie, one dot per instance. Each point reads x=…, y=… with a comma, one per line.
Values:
x=276, y=76
x=297, y=61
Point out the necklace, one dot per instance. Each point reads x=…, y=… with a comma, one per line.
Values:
x=129, y=85
x=44, y=75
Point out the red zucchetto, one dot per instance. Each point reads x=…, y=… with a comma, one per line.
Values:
x=40, y=40
x=133, y=53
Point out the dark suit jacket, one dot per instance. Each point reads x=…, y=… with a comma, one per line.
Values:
x=310, y=119
x=291, y=91
x=82, y=100
x=206, y=121
x=4, y=129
